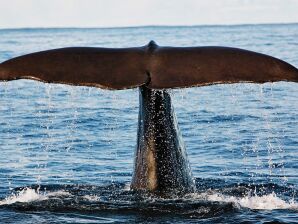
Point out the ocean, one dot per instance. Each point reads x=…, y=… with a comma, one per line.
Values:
x=66, y=152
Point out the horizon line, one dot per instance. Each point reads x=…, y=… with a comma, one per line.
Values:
x=147, y=26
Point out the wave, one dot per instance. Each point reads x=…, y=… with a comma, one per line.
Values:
x=30, y=195
x=119, y=197
x=265, y=202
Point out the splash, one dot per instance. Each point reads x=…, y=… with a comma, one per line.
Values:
x=251, y=201
x=25, y=195
x=264, y=202
x=29, y=195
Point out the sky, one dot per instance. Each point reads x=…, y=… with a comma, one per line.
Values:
x=122, y=13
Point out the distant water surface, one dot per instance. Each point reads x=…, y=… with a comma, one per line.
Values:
x=67, y=152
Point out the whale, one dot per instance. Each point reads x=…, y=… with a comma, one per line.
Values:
x=161, y=165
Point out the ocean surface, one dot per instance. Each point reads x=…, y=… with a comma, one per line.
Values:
x=66, y=152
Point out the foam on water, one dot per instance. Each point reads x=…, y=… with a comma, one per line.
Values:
x=91, y=198
x=29, y=195
x=265, y=202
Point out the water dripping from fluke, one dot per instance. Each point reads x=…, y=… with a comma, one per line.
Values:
x=161, y=163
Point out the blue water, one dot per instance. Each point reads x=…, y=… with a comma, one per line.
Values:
x=67, y=152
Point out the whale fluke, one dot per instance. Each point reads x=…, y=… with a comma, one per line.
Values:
x=174, y=67
x=150, y=65
x=161, y=163
x=100, y=67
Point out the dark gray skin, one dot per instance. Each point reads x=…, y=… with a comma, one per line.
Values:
x=161, y=164
x=151, y=65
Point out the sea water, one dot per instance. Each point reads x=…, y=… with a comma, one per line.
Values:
x=66, y=153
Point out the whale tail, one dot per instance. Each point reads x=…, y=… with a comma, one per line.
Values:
x=150, y=65
x=161, y=163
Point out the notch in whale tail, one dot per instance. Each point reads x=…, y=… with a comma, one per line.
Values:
x=151, y=65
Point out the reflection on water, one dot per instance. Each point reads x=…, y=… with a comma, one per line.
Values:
x=67, y=152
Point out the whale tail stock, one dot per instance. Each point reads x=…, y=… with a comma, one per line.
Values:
x=161, y=163
x=151, y=65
